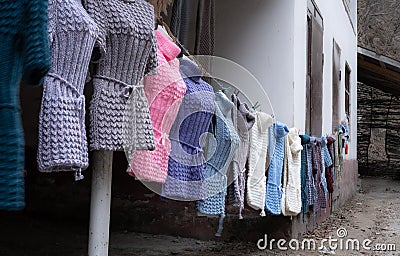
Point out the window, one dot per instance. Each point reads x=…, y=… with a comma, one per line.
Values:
x=347, y=92
x=315, y=63
x=336, y=84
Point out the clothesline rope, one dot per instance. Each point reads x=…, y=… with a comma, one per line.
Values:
x=204, y=71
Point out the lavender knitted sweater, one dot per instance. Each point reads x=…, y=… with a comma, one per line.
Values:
x=186, y=163
x=119, y=111
x=62, y=133
x=243, y=121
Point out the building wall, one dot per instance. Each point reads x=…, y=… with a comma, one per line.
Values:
x=269, y=39
x=337, y=26
x=258, y=35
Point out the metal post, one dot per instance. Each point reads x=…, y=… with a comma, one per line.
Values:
x=100, y=203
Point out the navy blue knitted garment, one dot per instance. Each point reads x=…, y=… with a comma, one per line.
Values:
x=24, y=56
x=305, y=139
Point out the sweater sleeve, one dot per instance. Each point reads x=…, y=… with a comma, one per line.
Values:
x=152, y=62
x=36, y=50
x=95, y=9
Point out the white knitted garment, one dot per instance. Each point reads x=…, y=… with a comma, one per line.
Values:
x=256, y=179
x=291, y=196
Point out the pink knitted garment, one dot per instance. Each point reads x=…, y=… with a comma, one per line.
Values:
x=164, y=92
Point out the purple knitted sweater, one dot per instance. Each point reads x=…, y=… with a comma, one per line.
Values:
x=119, y=110
x=62, y=132
x=186, y=163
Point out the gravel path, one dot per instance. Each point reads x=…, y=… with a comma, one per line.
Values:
x=373, y=214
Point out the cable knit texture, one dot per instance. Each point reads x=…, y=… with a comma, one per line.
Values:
x=320, y=203
x=219, y=154
x=305, y=139
x=256, y=179
x=186, y=162
x=164, y=91
x=274, y=182
x=119, y=111
x=291, y=196
x=243, y=121
x=340, y=149
x=311, y=188
x=330, y=169
x=62, y=132
x=326, y=162
x=24, y=55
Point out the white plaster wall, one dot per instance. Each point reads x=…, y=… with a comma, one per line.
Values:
x=258, y=34
x=300, y=63
x=268, y=37
x=337, y=26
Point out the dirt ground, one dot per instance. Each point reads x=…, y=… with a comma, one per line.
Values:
x=373, y=214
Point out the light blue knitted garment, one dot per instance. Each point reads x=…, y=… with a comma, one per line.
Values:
x=274, y=182
x=220, y=154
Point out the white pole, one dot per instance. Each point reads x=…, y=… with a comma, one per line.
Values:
x=100, y=203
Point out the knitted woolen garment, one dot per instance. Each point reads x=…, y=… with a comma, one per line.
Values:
x=274, y=181
x=311, y=188
x=24, y=55
x=219, y=154
x=62, y=132
x=243, y=121
x=256, y=179
x=271, y=146
x=340, y=149
x=164, y=91
x=317, y=172
x=186, y=162
x=329, y=169
x=291, y=196
x=326, y=162
x=119, y=111
x=305, y=139
x=336, y=151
